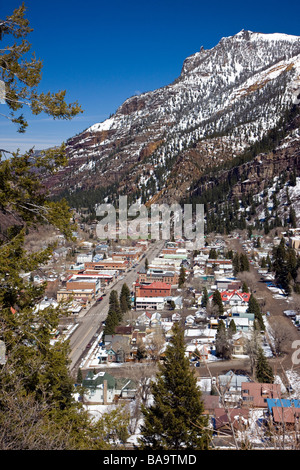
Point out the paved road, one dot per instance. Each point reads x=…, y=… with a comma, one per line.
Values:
x=89, y=325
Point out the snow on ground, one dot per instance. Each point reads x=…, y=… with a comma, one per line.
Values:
x=294, y=380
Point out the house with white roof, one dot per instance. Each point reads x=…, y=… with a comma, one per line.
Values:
x=235, y=297
x=149, y=303
x=242, y=324
x=149, y=319
x=103, y=388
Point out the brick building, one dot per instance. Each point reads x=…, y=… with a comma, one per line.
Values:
x=155, y=289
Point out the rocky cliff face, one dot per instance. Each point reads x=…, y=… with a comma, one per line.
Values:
x=158, y=143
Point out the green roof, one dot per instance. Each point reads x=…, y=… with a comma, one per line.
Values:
x=123, y=382
x=94, y=380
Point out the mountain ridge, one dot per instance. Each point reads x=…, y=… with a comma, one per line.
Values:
x=159, y=142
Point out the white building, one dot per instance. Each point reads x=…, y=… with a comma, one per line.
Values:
x=150, y=303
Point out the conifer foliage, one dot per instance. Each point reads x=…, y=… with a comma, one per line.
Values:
x=125, y=298
x=223, y=341
x=286, y=266
x=217, y=300
x=182, y=277
x=38, y=410
x=175, y=420
x=21, y=75
x=114, y=315
x=264, y=372
x=254, y=307
x=204, y=299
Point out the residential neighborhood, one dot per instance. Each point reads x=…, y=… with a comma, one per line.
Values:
x=149, y=229
x=210, y=298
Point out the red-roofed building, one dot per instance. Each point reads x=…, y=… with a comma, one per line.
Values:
x=232, y=419
x=155, y=289
x=286, y=416
x=255, y=394
x=235, y=297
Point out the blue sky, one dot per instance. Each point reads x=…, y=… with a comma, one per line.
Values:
x=103, y=52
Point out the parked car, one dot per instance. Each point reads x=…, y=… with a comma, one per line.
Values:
x=100, y=298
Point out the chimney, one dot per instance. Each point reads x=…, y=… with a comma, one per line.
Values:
x=104, y=392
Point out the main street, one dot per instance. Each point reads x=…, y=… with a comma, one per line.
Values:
x=89, y=325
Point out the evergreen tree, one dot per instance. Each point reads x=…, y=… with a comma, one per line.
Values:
x=217, y=300
x=223, y=344
x=293, y=179
x=213, y=253
x=244, y=262
x=111, y=321
x=123, y=305
x=269, y=262
x=125, y=299
x=253, y=307
x=232, y=327
x=115, y=313
x=175, y=420
x=236, y=263
x=245, y=287
x=79, y=376
x=182, y=277
x=263, y=263
x=264, y=372
x=204, y=299
x=293, y=263
x=229, y=254
x=21, y=75
x=37, y=408
x=114, y=305
x=285, y=266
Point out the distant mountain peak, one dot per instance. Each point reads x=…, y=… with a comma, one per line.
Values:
x=157, y=143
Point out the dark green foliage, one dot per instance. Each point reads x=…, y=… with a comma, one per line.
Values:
x=111, y=322
x=114, y=304
x=244, y=262
x=125, y=299
x=293, y=178
x=264, y=372
x=254, y=307
x=217, y=300
x=263, y=263
x=182, y=277
x=175, y=420
x=79, y=376
x=114, y=316
x=223, y=341
x=213, y=254
x=38, y=410
x=204, y=299
x=141, y=352
x=292, y=217
x=285, y=266
x=240, y=263
x=245, y=287
x=21, y=73
x=236, y=263
x=232, y=326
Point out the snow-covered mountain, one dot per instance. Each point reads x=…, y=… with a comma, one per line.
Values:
x=160, y=142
